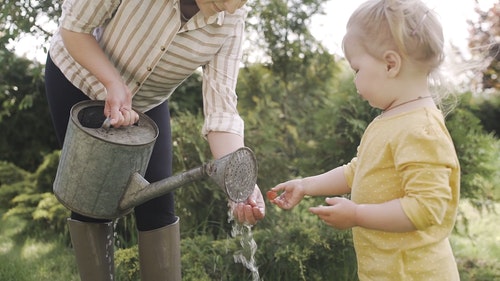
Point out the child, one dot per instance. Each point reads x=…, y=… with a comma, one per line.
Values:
x=405, y=180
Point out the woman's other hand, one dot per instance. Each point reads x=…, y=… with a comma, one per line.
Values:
x=250, y=211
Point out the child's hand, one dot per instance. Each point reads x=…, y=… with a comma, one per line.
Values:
x=293, y=192
x=340, y=212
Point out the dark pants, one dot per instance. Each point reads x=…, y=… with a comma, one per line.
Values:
x=156, y=213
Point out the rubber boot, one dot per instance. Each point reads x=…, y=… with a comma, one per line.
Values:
x=93, y=246
x=160, y=253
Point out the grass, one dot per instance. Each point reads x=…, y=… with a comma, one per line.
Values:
x=25, y=258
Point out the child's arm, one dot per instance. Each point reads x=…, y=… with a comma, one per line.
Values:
x=342, y=213
x=330, y=183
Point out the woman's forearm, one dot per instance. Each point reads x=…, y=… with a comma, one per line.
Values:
x=223, y=143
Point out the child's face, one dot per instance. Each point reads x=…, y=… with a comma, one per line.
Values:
x=370, y=72
x=211, y=7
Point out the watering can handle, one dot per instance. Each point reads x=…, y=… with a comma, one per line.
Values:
x=106, y=124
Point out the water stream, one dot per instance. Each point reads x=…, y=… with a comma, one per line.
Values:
x=246, y=255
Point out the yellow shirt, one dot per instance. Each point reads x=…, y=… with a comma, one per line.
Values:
x=409, y=156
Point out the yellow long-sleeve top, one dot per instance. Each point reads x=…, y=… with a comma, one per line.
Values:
x=409, y=156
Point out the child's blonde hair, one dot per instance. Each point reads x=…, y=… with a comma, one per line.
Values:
x=406, y=26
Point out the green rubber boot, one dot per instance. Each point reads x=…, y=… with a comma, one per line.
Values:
x=160, y=253
x=93, y=246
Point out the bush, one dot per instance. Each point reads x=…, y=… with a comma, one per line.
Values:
x=479, y=156
x=127, y=264
x=11, y=183
x=478, y=270
x=27, y=196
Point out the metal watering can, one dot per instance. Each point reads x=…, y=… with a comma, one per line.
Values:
x=100, y=172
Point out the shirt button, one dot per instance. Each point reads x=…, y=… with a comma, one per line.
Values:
x=149, y=68
x=162, y=49
x=137, y=84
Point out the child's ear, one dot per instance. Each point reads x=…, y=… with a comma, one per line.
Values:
x=393, y=63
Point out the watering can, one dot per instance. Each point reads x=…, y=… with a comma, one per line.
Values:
x=100, y=172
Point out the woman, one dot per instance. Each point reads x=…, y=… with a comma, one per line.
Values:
x=135, y=54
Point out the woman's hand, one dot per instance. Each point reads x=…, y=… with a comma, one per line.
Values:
x=250, y=211
x=84, y=48
x=118, y=105
x=254, y=208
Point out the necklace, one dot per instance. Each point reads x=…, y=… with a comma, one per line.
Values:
x=406, y=102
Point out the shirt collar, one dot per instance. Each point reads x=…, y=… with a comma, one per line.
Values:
x=217, y=18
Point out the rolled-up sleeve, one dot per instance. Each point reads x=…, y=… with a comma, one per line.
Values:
x=349, y=171
x=219, y=86
x=85, y=16
x=426, y=162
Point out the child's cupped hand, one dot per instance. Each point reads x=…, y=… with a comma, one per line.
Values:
x=340, y=212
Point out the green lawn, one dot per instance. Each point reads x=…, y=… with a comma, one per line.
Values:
x=27, y=259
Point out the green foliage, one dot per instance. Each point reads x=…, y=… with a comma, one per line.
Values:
x=46, y=214
x=18, y=18
x=27, y=132
x=45, y=173
x=21, y=82
x=484, y=44
x=477, y=249
x=478, y=270
x=202, y=205
x=11, y=183
x=127, y=264
x=488, y=111
x=188, y=96
x=29, y=197
x=285, y=258
x=284, y=33
x=479, y=156
x=278, y=257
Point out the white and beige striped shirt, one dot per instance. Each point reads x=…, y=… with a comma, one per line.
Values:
x=155, y=53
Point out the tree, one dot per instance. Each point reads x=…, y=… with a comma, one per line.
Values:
x=296, y=78
x=24, y=120
x=27, y=132
x=485, y=46
x=484, y=34
x=26, y=17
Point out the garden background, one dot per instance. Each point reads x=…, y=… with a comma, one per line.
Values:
x=302, y=116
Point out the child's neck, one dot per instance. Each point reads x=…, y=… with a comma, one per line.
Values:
x=401, y=106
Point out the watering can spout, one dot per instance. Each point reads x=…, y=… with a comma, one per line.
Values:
x=235, y=174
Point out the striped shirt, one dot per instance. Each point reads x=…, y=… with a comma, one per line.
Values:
x=155, y=53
